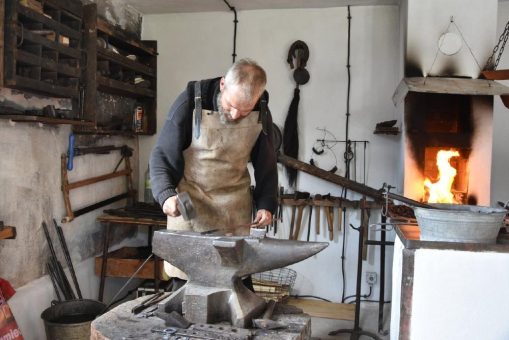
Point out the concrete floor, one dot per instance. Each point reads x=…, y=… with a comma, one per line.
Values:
x=320, y=327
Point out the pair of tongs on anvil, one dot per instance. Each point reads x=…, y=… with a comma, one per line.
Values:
x=157, y=297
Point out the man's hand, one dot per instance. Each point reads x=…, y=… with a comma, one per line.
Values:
x=263, y=218
x=170, y=207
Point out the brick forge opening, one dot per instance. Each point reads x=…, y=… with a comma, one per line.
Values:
x=438, y=121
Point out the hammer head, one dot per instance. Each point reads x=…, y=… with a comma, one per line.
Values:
x=185, y=205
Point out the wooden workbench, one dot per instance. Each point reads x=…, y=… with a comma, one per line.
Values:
x=108, y=221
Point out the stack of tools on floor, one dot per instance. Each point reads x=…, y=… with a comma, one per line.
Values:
x=299, y=200
x=63, y=289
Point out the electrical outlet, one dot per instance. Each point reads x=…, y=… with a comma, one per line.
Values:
x=371, y=278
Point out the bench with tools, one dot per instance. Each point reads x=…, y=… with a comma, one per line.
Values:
x=299, y=200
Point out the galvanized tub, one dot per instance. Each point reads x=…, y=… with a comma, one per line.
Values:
x=460, y=223
x=70, y=320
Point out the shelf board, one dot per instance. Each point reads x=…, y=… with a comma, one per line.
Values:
x=125, y=62
x=123, y=88
x=39, y=86
x=53, y=45
x=38, y=17
x=110, y=30
x=7, y=233
x=44, y=120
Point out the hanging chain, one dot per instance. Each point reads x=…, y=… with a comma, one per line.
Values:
x=500, y=45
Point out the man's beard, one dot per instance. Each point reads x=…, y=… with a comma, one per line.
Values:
x=224, y=116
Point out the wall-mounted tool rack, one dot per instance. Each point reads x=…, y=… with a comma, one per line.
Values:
x=118, y=64
x=41, y=52
x=126, y=153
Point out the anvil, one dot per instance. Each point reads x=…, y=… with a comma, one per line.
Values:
x=215, y=266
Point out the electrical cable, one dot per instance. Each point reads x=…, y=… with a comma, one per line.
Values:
x=363, y=295
x=347, y=161
x=235, y=22
x=310, y=296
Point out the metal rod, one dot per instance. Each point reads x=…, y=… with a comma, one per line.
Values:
x=129, y=280
x=53, y=281
x=68, y=260
x=100, y=204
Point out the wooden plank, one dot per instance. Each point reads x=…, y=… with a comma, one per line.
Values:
x=90, y=47
x=50, y=65
x=496, y=74
x=73, y=6
x=124, y=262
x=24, y=83
x=123, y=61
x=7, y=233
x=112, y=31
x=61, y=28
x=97, y=179
x=44, y=120
x=38, y=39
x=123, y=88
x=323, y=309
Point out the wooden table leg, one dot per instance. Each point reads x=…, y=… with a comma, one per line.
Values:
x=106, y=243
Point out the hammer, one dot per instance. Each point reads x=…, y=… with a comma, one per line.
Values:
x=185, y=206
x=265, y=322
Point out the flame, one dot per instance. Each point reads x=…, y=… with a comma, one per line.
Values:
x=440, y=191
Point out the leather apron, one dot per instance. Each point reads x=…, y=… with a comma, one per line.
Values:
x=216, y=175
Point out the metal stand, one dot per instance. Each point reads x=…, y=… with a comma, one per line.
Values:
x=357, y=331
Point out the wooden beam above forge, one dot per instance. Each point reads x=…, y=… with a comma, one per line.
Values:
x=473, y=87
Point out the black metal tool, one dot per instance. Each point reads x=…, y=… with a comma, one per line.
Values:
x=309, y=221
x=57, y=269
x=67, y=256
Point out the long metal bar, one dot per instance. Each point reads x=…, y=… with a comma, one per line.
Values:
x=345, y=182
x=68, y=260
x=94, y=206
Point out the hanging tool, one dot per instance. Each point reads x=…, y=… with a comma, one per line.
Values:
x=318, y=197
x=309, y=221
x=300, y=208
x=329, y=214
x=340, y=217
x=292, y=222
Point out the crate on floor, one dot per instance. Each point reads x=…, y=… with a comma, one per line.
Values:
x=275, y=284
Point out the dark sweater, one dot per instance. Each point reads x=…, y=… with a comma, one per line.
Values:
x=167, y=159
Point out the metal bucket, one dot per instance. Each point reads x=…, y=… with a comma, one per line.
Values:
x=460, y=223
x=70, y=320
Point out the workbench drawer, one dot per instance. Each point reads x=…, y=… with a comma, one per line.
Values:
x=124, y=262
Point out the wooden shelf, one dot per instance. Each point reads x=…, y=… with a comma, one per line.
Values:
x=42, y=50
x=110, y=71
x=44, y=120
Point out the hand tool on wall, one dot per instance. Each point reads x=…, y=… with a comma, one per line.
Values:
x=292, y=222
x=329, y=214
x=318, y=197
x=280, y=208
x=309, y=221
x=130, y=194
x=300, y=209
x=340, y=217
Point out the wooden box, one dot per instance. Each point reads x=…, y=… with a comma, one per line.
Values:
x=125, y=261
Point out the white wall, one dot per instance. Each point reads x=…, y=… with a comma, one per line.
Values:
x=198, y=45
x=500, y=157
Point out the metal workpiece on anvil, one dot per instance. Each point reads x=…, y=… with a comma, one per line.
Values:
x=215, y=266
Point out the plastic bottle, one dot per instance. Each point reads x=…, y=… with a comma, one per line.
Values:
x=148, y=198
